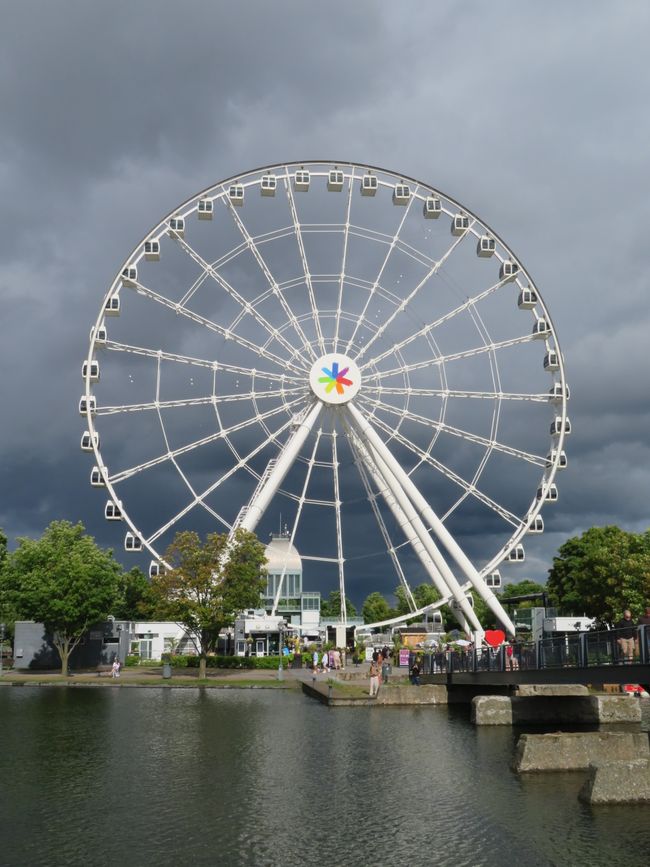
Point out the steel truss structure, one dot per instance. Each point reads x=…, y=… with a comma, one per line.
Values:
x=348, y=346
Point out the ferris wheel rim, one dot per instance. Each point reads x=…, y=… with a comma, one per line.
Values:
x=552, y=334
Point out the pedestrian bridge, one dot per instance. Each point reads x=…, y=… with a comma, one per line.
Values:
x=581, y=657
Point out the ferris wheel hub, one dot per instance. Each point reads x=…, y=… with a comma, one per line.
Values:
x=335, y=378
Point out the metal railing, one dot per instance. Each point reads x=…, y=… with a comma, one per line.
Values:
x=573, y=650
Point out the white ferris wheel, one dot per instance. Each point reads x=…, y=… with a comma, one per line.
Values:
x=343, y=345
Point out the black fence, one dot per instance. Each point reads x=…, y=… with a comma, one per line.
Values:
x=573, y=650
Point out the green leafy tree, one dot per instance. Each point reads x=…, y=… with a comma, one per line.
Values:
x=485, y=616
x=3, y=548
x=375, y=608
x=601, y=573
x=521, y=588
x=423, y=594
x=330, y=608
x=209, y=583
x=7, y=615
x=136, y=599
x=63, y=580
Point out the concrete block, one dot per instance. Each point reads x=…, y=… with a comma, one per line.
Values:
x=623, y=782
x=428, y=693
x=491, y=710
x=617, y=709
x=550, y=689
x=575, y=751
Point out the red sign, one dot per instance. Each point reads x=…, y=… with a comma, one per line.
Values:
x=495, y=637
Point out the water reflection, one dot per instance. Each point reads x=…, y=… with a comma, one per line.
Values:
x=256, y=777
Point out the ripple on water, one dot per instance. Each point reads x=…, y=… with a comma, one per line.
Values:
x=168, y=777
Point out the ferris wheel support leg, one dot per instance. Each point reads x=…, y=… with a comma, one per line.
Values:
x=414, y=530
x=424, y=546
x=378, y=446
x=285, y=459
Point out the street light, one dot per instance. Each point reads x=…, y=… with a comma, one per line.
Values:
x=281, y=625
x=2, y=644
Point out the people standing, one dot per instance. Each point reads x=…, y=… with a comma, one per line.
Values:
x=374, y=677
x=315, y=662
x=627, y=635
x=415, y=672
x=115, y=669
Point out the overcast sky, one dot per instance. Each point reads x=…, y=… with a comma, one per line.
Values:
x=535, y=115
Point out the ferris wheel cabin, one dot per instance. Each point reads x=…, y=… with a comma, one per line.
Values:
x=556, y=427
x=562, y=460
x=152, y=251
x=536, y=525
x=87, y=441
x=508, y=271
x=99, y=335
x=369, y=185
x=236, y=194
x=301, y=181
x=268, y=185
x=154, y=569
x=401, y=194
x=527, y=298
x=516, y=554
x=205, y=209
x=87, y=405
x=112, y=306
x=493, y=580
x=177, y=227
x=132, y=543
x=557, y=393
x=96, y=478
x=541, y=329
x=113, y=511
x=90, y=372
x=485, y=247
x=551, y=361
x=459, y=224
x=432, y=208
x=548, y=493
x=130, y=276
x=335, y=181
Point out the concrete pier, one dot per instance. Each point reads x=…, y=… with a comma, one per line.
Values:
x=561, y=710
x=576, y=751
x=623, y=782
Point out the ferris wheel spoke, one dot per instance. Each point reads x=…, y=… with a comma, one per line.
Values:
x=454, y=356
x=247, y=308
x=199, y=362
x=339, y=527
x=541, y=397
x=468, y=488
x=197, y=401
x=414, y=292
x=301, y=502
x=271, y=280
x=221, y=434
x=537, y=460
x=377, y=280
x=346, y=237
x=390, y=546
x=209, y=324
x=431, y=326
x=303, y=259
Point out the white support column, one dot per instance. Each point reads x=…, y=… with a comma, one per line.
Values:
x=415, y=531
x=285, y=459
x=379, y=448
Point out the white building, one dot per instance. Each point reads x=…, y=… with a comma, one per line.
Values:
x=151, y=639
x=284, y=567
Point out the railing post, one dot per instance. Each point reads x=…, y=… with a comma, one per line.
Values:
x=583, y=654
x=644, y=633
x=539, y=653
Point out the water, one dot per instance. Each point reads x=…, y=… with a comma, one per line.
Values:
x=257, y=777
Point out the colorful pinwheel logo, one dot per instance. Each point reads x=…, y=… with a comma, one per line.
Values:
x=335, y=378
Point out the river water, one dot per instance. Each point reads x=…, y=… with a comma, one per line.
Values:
x=263, y=777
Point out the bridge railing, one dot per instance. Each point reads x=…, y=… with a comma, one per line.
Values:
x=572, y=650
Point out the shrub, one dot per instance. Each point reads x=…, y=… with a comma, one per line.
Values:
x=132, y=659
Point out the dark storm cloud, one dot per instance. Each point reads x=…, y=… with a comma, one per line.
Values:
x=530, y=114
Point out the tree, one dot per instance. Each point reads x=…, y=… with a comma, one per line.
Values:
x=375, y=608
x=423, y=594
x=330, y=608
x=521, y=588
x=209, y=583
x=63, y=580
x=3, y=548
x=601, y=573
x=7, y=616
x=136, y=599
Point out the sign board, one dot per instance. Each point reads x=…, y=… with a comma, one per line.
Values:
x=369, y=652
x=404, y=656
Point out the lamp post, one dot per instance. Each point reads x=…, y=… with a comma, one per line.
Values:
x=280, y=643
x=2, y=644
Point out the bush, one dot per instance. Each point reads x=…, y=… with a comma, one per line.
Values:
x=241, y=662
x=132, y=659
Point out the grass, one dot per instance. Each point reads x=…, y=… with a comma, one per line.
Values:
x=152, y=679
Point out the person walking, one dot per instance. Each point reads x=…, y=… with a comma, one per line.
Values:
x=374, y=677
x=115, y=669
x=415, y=672
x=627, y=635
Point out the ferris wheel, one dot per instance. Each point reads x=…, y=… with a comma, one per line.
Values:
x=344, y=346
